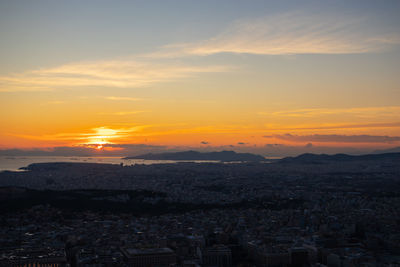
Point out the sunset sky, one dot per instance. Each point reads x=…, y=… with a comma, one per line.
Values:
x=215, y=74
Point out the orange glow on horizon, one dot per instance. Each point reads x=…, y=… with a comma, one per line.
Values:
x=110, y=137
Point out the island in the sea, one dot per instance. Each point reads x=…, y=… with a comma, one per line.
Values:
x=223, y=156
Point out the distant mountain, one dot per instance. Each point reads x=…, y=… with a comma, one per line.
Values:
x=224, y=156
x=314, y=158
x=390, y=150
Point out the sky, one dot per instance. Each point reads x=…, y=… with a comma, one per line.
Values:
x=270, y=77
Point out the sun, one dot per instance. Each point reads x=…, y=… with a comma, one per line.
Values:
x=100, y=137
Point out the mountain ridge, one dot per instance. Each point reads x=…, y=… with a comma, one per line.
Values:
x=224, y=156
x=309, y=157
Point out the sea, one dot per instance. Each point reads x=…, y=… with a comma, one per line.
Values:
x=8, y=163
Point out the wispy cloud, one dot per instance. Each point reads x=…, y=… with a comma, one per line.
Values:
x=98, y=135
x=122, y=98
x=106, y=135
x=337, y=126
x=120, y=74
x=351, y=126
x=55, y=102
x=361, y=112
x=292, y=33
x=280, y=34
x=334, y=138
x=123, y=113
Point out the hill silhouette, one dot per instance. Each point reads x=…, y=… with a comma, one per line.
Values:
x=224, y=156
x=316, y=158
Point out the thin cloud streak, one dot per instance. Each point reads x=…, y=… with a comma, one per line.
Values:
x=92, y=136
x=364, y=112
x=336, y=138
x=279, y=128
x=123, y=113
x=118, y=74
x=122, y=98
x=54, y=102
x=281, y=34
x=297, y=33
x=289, y=33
